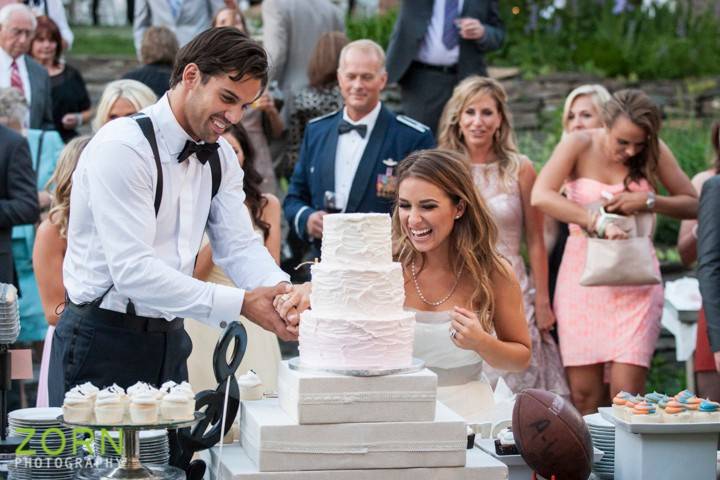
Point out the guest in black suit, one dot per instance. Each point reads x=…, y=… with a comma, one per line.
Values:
x=437, y=43
x=157, y=53
x=708, y=250
x=18, y=195
x=18, y=70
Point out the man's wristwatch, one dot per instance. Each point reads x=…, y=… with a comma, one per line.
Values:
x=650, y=202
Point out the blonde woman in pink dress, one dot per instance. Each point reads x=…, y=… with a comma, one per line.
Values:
x=620, y=166
x=476, y=123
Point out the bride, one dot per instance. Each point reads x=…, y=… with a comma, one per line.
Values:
x=469, y=304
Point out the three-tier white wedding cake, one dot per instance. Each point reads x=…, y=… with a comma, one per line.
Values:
x=357, y=320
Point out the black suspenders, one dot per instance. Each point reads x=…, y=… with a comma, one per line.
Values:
x=148, y=130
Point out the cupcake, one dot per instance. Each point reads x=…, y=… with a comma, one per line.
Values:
x=654, y=397
x=675, y=412
x=630, y=403
x=110, y=405
x=692, y=404
x=708, y=412
x=251, y=387
x=77, y=407
x=177, y=405
x=166, y=387
x=618, y=404
x=644, y=412
x=144, y=407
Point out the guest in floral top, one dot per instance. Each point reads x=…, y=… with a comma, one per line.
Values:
x=321, y=97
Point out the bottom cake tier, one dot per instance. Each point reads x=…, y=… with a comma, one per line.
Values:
x=337, y=343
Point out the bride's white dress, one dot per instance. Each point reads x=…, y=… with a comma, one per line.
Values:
x=462, y=386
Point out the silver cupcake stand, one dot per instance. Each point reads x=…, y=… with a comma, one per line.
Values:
x=129, y=466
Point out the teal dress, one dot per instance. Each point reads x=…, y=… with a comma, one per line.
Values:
x=33, y=325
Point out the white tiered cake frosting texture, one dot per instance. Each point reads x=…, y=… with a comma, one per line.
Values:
x=357, y=320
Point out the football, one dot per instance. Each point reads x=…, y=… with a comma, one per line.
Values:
x=551, y=435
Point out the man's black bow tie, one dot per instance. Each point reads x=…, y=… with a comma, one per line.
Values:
x=346, y=126
x=203, y=151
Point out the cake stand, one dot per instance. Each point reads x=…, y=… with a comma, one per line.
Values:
x=415, y=366
x=129, y=466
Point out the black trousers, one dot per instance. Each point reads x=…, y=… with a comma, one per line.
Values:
x=91, y=344
x=425, y=93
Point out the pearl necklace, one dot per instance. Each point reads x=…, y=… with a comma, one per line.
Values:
x=420, y=294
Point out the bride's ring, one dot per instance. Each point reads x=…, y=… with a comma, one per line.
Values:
x=453, y=332
x=284, y=297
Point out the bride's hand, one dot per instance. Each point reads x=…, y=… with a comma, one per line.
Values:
x=290, y=305
x=469, y=334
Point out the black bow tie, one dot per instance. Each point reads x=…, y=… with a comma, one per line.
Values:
x=346, y=126
x=203, y=151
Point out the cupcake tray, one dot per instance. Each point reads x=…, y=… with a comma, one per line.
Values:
x=129, y=466
x=415, y=366
x=663, y=450
x=659, y=428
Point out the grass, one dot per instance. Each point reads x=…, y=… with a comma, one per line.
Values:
x=103, y=41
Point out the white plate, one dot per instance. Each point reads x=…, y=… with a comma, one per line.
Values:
x=32, y=415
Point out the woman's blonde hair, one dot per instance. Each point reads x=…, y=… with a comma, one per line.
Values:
x=61, y=182
x=637, y=107
x=138, y=94
x=598, y=94
x=450, y=135
x=474, y=234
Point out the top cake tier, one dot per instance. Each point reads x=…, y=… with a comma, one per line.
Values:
x=357, y=239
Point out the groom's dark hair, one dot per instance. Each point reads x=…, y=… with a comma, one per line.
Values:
x=222, y=50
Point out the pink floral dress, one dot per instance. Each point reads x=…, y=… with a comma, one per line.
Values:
x=603, y=324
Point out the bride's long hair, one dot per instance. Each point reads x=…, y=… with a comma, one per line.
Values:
x=474, y=235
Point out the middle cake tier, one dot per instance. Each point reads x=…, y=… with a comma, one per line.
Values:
x=357, y=292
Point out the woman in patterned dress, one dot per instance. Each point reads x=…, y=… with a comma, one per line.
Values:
x=476, y=123
x=618, y=165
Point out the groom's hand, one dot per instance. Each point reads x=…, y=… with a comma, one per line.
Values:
x=258, y=307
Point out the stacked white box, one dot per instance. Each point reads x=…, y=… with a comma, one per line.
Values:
x=277, y=443
x=236, y=465
x=314, y=398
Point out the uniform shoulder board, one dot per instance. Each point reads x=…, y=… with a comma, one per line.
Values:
x=322, y=117
x=412, y=123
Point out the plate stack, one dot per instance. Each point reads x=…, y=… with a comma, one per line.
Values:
x=154, y=448
x=56, y=463
x=9, y=314
x=603, y=438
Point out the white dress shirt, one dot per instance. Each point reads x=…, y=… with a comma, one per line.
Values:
x=115, y=238
x=432, y=50
x=350, y=149
x=5, y=72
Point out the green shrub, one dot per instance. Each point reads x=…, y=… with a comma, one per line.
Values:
x=377, y=28
x=587, y=35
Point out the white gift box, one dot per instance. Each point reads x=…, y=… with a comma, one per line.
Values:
x=277, y=444
x=330, y=398
x=236, y=465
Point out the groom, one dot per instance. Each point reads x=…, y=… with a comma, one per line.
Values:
x=144, y=191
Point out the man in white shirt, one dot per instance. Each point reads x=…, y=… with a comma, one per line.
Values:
x=18, y=70
x=139, y=206
x=347, y=158
x=437, y=43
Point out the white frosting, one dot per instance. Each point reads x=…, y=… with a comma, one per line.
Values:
x=356, y=344
x=142, y=388
x=357, y=319
x=360, y=239
x=369, y=292
x=76, y=398
x=113, y=395
x=87, y=389
x=249, y=380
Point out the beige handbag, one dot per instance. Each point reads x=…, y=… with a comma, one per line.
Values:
x=623, y=262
